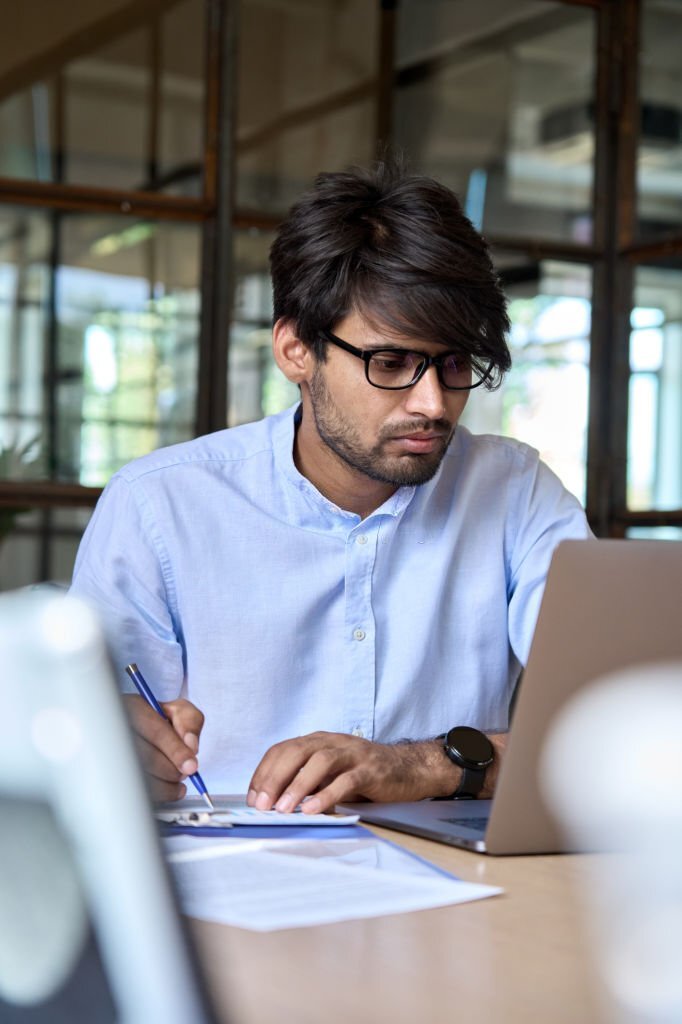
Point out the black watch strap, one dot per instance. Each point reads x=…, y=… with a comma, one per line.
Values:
x=470, y=784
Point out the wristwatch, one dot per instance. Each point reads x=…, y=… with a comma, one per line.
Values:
x=473, y=752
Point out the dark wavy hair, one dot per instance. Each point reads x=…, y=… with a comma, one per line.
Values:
x=398, y=249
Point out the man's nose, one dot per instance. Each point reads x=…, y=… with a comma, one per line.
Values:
x=425, y=398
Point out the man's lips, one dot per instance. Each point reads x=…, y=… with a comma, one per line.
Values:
x=420, y=441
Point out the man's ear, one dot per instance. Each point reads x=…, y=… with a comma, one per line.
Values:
x=293, y=357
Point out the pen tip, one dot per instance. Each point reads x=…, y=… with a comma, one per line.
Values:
x=209, y=802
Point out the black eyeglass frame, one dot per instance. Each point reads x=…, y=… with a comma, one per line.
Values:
x=426, y=361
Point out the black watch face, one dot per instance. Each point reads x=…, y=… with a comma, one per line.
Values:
x=471, y=745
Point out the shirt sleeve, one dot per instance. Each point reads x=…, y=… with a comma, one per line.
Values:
x=122, y=571
x=548, y=514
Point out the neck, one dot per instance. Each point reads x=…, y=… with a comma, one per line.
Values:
x=340, y=483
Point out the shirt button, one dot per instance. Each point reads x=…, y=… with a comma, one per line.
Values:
x=357, y=731
x=362, y=539
x=359, y=634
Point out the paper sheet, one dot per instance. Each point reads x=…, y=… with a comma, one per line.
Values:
x=264, y=885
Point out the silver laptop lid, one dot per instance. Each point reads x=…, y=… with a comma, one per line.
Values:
x=607, y=604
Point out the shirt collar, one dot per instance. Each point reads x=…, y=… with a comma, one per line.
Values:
x=283, y=450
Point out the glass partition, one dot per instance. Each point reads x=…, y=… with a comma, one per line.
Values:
x=106, y=94
x=655, y=532
x=114, y=375
x=25, y=553
x=544, y=399
x=257, y=387
x=179, y=129
x=19, y=547
x=128, y=315
x=25, y=302
x=654, y=477
x=659, y=163
x=496, y=100
x=306, y=96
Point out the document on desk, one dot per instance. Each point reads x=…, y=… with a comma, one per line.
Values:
x=265, y=884
x=230, y=811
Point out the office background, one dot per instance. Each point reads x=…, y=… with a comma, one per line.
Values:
x=149, y=148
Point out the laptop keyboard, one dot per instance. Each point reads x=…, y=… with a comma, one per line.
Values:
x=475, y=824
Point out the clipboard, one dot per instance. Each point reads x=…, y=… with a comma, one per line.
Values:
x=330, y=831
x=233, y=817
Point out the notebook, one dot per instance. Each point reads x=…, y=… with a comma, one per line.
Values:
x=607, y=604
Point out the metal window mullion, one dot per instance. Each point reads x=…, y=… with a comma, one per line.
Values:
x=616, y=127
x=386, y=75
x=217, y=282
x=51, y=355
x=153, y=101
x=629, y=12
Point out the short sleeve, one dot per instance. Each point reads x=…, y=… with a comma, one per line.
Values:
x=547, y=514
x=122, y=572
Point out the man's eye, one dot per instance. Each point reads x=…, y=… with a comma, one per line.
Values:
x=388, y=361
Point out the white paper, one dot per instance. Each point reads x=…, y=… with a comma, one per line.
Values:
x=264, y=885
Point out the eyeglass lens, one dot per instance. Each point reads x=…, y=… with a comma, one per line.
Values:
x=398, y=369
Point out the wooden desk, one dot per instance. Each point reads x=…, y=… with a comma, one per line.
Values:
x=519, y=957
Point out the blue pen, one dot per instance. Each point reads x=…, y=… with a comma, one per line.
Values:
x=142, y=688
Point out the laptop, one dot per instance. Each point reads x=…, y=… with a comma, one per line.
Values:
x=90, y=928
x=607, y=604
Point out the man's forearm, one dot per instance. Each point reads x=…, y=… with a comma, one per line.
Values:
x=324, y=769
x=431, y=773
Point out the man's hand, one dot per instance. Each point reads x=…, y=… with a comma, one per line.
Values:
x=336, y=767
x=167, y=749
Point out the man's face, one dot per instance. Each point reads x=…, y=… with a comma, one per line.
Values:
x=395, y=437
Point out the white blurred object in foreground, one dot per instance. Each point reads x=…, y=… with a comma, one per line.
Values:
x=611, y=771
x=79, y=850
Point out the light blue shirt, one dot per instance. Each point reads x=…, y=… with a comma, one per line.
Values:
x=231, y=581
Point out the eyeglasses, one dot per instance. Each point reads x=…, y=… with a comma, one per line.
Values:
x=396, y=368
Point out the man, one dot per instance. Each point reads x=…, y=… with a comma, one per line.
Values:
x=337, y=586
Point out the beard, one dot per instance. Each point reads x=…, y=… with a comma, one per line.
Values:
x=342, y=437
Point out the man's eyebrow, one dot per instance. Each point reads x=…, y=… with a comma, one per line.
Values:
x=409, y=348
x=389, y=348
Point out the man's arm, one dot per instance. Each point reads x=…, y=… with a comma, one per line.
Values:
x=326, y=768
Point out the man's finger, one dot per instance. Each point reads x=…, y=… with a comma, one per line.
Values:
x=155, y=762
x=186, y=719
x=165, y=792
x=279, y=766
x=343, y=788
x=321, y=767
x=160, y=734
